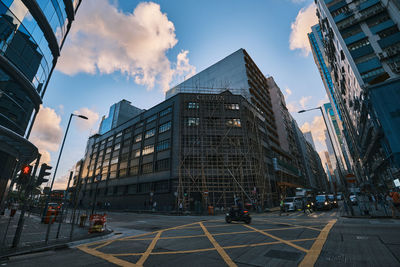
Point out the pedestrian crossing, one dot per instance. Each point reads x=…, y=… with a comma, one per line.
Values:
x=315, y=214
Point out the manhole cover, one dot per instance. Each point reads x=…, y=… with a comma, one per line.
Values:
x=362, y=237
x=282, y=254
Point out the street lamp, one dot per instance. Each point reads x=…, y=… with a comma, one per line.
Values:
x=334, y=152
x=58, y=160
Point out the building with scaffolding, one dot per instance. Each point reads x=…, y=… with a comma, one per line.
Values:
x=194, y=149
x=213, y=142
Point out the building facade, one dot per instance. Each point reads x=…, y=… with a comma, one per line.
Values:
x=194, y=149
x=31, y=36
x=361, y=40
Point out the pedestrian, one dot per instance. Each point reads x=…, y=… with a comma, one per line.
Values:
x=154, y=205
x=395, y=202
x=180, y=206
x=282, y=207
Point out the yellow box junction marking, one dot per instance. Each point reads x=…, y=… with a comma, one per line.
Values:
x=313, y=254
x=149, y=249
x=277, y=238
x=220, y=250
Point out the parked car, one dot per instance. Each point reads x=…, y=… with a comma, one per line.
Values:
x=293, y=203
x=322, y=202
x=333, y=201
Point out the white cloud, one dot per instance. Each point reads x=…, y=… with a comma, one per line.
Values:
x=317, y=128
x=300, y=27
x=323, y=101
x=104, y=40
x=303, y=101
x=85, y=125
x=292, y=107
x=288, y=91
x=46, y=133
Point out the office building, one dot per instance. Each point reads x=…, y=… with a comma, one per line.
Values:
x=31, y=36
x=361, y=40
x=119, y=113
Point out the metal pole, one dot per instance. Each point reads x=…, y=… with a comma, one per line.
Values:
x=20, y=225
x=55, y=169
x=95, y=198
x=63, y=206
x=337, y=162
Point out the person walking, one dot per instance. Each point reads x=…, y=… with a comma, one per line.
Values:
x=282, y=206
x=395, y=202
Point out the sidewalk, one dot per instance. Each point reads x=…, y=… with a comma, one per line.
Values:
x=34, y=234
x=366, y=210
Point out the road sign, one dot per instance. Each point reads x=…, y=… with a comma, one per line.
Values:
x=205, y=192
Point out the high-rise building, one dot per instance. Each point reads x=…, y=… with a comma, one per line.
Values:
x=31, y=36
x=119, y=113
x=308, y=136
x=361, y=44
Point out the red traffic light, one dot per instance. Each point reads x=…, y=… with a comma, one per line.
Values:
x=26, y=169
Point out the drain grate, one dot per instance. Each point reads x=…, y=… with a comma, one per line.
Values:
x=283, y=254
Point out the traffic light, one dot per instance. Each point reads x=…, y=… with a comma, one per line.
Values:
x=25, y=174
x=43, y=173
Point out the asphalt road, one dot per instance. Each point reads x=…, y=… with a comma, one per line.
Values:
x=321, y=238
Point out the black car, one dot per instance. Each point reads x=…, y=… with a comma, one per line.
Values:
x=322, y=203
x=333, y=201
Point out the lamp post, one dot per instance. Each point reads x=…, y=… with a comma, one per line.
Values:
x=336, y=157
x=58, y=160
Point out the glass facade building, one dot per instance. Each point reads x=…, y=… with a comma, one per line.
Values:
x=360, y=47
x=31, y=36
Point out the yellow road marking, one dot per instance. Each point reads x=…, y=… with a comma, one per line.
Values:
x=211, y=249
x=304, y=226
x=104, y=244
x=313, y=254
x=220, y=250
x=106, y=257
x=277, y=238
x=149, y=249
x=333, y=214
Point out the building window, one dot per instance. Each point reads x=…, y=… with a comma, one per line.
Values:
x=161, y=186
x=136, y=153
x=144, y=188
x=163, y=145
x=232, y=106
x=114, y=160
x=108, y=150
x=152, y=118
x=233, y=122
x=134, y=170
x=193, y=105
x=164, y=127
x=147, y=168
x=162, y=165
x=150, y=133
x=138, y=138
x=165, y=111
x=118, y=134
x=192, y=122
x=148, y=150
x=117, y=146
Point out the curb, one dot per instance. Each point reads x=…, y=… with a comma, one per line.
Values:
x=65, y=245
x=369, y=217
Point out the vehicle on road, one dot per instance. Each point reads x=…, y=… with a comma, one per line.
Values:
x=293, y=203
x=353, y=200
x=333, y=201
x=236, y=214
x=322, y=203
x=309, y=200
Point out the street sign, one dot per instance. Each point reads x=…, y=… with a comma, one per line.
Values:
x=205, y=192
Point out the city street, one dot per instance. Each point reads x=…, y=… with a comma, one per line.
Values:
x=270, y=240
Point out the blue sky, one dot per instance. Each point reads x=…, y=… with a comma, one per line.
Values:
x=135, y=50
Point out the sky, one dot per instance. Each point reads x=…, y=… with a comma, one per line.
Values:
x=137, y=50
